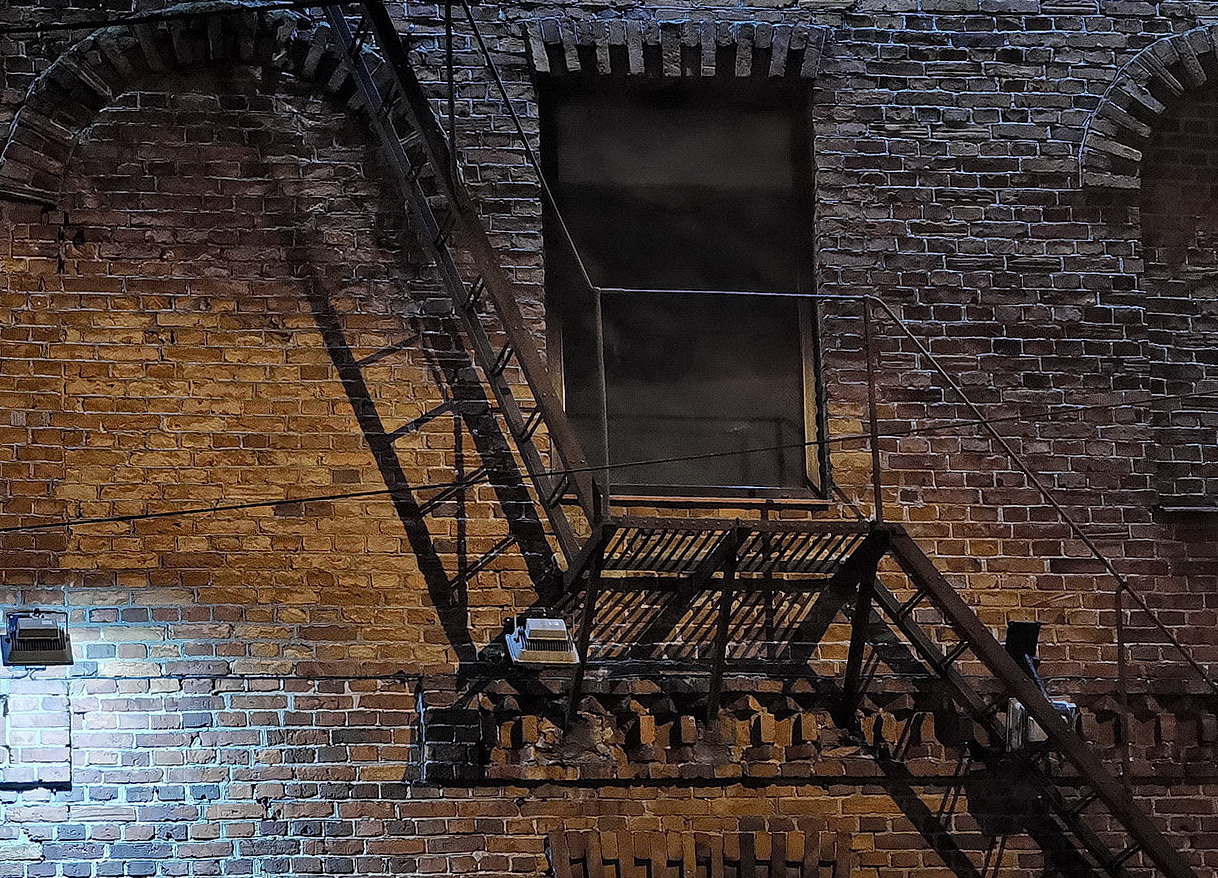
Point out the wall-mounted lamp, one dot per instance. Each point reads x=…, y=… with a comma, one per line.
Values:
x=540, y=642
x=35, y=638
x=1022, y=730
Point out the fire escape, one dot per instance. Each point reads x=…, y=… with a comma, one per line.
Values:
x=603, y=546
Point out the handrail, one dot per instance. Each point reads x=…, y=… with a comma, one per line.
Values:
x=982, y=420
x=1123, y=584
x=1075, y=527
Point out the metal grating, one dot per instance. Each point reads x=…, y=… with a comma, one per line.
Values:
x=690, y=547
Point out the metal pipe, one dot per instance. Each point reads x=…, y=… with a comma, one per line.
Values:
x=877, y=486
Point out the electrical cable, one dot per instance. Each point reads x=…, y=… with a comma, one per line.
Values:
x=444, y=486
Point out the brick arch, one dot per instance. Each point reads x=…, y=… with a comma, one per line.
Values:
x=67, y=97
x=1121, y=126
x=674, y=48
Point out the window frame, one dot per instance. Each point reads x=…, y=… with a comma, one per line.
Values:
x=817, y=473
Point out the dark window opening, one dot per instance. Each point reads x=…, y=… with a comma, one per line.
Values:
x=686, y=193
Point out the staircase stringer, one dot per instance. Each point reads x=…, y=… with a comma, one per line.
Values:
x=502, y=293
x=985, y=715
x=926, y=578
x=408, y=161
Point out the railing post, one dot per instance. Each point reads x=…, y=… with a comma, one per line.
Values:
x=593, y=572
x=602, y=400
x=727, y=598
x=877, y=484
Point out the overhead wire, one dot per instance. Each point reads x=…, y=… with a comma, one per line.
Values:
x=656, y=461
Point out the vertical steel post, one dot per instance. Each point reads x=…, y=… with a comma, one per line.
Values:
x=823, y=451
x=877, y=485
x=595, y=562
x=726, y=598
x=602, y=383
x=852, y=691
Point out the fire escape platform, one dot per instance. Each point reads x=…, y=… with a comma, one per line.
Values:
x=688, y=553
x=765, y=547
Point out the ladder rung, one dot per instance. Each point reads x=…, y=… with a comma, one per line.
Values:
x=560, y=488
x=416, y=171
x=1081, y=805
x=906, y=608
x=411, y=141
x=954, y=653
x=1121, y=858
x=531, y=423
x=484, y=560
x=422, y=420
x=501, y=361
x=387, y=351
x=474, y=298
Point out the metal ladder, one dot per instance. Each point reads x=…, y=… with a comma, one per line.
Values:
x=486, y=304
x=413, y=142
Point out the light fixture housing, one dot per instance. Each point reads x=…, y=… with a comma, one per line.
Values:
x=1023, y=731
x=542, y=642
x=35, y=638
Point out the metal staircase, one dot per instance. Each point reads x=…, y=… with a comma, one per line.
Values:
x=1094, y=786
x=414, y=145
x=841, y=561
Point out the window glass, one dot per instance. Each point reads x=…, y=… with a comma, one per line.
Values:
x=683, y=187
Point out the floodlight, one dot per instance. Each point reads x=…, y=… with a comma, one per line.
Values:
x=1023, y=731
x=540, y=642
x=35, y=638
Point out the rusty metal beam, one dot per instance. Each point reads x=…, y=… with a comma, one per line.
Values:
x=961, y=618
x=502, y=291
x=861, y=619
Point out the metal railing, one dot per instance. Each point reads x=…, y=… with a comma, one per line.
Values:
x=873, y=310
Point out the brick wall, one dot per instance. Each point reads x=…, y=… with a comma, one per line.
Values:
x=186, y=327
x=1178, y=230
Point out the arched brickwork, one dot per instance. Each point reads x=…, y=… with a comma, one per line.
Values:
x=1152, y=135
x=674, y=49
x=1117, y=133
x=82, y=81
